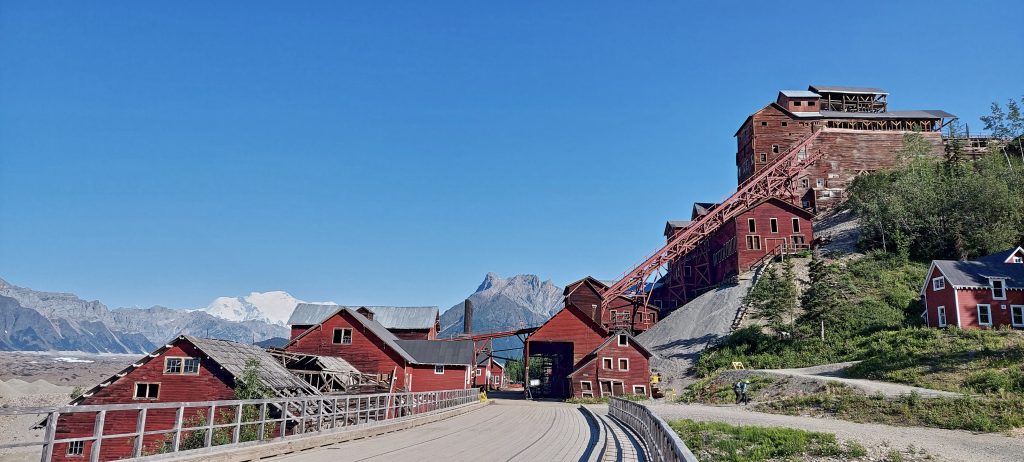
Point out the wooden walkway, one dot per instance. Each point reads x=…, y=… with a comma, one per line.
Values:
x=505, y=430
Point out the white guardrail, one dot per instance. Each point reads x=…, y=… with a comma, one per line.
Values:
x=163, y=428
x=662, y=443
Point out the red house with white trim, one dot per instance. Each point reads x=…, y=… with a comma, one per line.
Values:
x=976, y=294
x=414, y=365
x=617, y=366
x=489, y=373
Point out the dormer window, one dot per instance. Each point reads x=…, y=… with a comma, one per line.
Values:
x=998, y=288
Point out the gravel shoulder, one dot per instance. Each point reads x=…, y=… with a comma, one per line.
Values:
x=836, y=372
x=945, y=445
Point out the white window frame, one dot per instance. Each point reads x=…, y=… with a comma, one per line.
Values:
x=590, y=392
x=620, y=364
x=796, y=225
x=751, y=226
x=342, y=329
x=1002, y=286
x=643, y=390
x=1014, y=323
x=988, y=312
x=941, y=310
x=608, y=361
x=135, y=391
x=76, y=449
x=938, y=283
x=1018, y=260
x=479, y=372
x=773, y=225
x=622, y=340
x=439, y=369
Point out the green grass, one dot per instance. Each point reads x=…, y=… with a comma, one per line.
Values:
x=991, y=414
x=712, y=442
x=713, y=390
x=604, y=399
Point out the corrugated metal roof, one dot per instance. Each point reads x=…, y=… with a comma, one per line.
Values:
x=405, y=317
x=976, y=273
x=799, y=94
x=232, y=356
x=842, y=89
x=391, y=317
x=456, y=352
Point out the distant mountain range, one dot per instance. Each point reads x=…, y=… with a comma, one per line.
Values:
x=37, y=321
x=506, y=304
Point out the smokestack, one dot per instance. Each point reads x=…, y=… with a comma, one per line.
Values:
x=467, y=318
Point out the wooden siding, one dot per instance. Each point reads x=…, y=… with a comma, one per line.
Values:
x=585, y=296
x=211, y=383
x=424, y=378
x=970, y=298
x=639, y=372
x=569, y=325
x=934, y=299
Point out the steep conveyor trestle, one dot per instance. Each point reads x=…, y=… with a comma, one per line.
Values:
x=775, y=180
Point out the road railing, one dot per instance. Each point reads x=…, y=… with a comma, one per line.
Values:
x=662, y=443
x=146, y=429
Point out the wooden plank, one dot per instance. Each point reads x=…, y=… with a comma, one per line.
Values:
x=97, y=434
x=140, y=433
x=51, y=431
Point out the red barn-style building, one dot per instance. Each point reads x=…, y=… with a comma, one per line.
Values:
x=406, y=322
x=489, y=373
x=766, y=228
x=187, y=369
x=617, y=366
x=564, y=346
x=415, y=365
x=976, y=294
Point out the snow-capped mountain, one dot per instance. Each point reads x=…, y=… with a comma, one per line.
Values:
x=272, y=307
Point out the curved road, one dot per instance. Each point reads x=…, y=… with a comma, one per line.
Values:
x=505, y=430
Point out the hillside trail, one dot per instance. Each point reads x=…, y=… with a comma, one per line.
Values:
x=837, y=372
x=944, y=445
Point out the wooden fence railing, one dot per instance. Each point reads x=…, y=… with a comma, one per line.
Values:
x=662, y=443
x=204, y=424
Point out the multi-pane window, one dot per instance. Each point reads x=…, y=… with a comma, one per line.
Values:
x=439, y=369
x=178, y=365
x=764, y=157
x=985, y=315
x=773, y=223
x=76, y=448
x=147, y=390
x=820, y=182
x=942, y=316
x=775, y=148
x=753, y=242
x=805, y=183
x=342, y=336
x=1017, y=315
x=998, y=288
x=938, y=283
x=796, y=225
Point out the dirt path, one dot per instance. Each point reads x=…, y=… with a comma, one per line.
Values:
x=949, y=445
x=836, y=373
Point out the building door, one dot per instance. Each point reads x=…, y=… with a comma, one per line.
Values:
x=618, y=389
x=606, y=388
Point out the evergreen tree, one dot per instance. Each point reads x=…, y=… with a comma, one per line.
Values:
x=773, y=298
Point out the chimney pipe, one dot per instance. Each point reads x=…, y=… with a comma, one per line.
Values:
x=467, y=318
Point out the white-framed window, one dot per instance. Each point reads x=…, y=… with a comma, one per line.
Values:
x=751, y=225
x=942, y=316
x=144, y=390
x=496, y=379
x=342, y=336
x=820, y=182
x=181, y=365
x=640, y=390
x=775, y=148
x=76, y=448
x=938, y=283
x=438, y=369
x=623, y=364
x=586, y=389
x=805, y=183
x=479, y=372
x=753, y=242
x=773, y=223
x=796, y=225
x=1018, y=259
x=623, y=340
x=607, y=364
x=984, y=315
x=998, y=288
x=1017, y=315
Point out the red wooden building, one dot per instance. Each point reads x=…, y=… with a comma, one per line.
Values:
x=406, y=322
x=618, y=365
x=860, y=134
x=415, y=365
x=187, y=369
x=976, y=294
x=564, y=346
x=489, y=373
x=766, y=228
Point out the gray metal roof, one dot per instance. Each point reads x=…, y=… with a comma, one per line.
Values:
x=232, y=356
x=391, y=317
x=799, y=94
x=679, y=223
x=842, y=89
x=976, y=273
x=481, y=360
x=454, y=352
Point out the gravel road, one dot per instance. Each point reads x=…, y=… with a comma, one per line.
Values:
x=945, y=445
x=835, y=372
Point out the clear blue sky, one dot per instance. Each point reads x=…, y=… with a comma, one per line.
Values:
x=394, y=152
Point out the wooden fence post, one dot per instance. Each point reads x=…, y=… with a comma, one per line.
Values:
x=97, y=434
x=140, y=433
x=178, y=417
x=51, y=434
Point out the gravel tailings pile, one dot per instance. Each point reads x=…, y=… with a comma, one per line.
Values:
x=678, y=339
x=17, y=429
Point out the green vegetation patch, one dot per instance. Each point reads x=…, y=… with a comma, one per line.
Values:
x=712, y=441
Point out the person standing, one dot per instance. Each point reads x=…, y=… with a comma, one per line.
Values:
x=744, y=385
x=736, y=390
